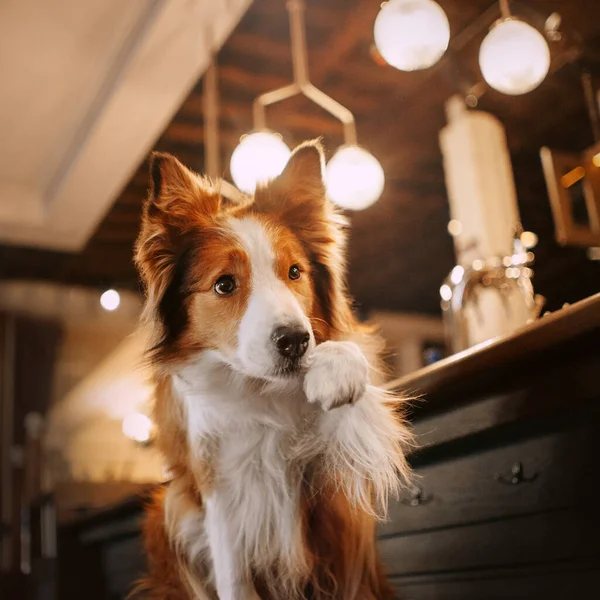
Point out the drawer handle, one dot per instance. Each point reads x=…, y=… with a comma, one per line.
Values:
x=417, y=497
x=517, y=476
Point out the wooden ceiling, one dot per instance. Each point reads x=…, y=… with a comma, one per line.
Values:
x=400, y=250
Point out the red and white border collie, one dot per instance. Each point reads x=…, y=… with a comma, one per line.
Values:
x=283, y=451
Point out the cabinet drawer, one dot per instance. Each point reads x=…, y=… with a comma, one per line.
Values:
x=537, y=474
x=550, y=582
x=553, y=536
x=124, y=564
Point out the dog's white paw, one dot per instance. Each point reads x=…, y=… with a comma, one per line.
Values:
x=338, y=374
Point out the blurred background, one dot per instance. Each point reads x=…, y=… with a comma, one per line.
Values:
x=90, y=88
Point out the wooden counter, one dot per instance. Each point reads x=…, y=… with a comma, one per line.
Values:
x=505, y=500
x=484, y=361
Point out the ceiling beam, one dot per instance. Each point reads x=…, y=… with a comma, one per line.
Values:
x=344, y=39
x=257, y=46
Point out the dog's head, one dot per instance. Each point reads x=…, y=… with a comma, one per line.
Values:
x=258, y=284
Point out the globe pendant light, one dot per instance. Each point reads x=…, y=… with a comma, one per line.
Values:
x=514, y=56
x=354, y=177
x=411, y=34
x=258, y=157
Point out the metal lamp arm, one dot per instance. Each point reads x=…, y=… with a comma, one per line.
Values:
x=302, y=84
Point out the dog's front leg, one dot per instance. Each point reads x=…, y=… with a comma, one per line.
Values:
x=232, y=580
x=360, y=435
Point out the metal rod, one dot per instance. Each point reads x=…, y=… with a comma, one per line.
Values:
x=334, y=108
x=48, y=526
x=298, y=39
x=210, y=104
x=505, y=9
x=591, y=103
x=7, y=391
x=272, y=97
x=302, y=84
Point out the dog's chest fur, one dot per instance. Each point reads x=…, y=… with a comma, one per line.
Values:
x=261, y=440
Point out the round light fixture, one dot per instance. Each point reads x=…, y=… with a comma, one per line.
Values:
x=457, y=274
x=138, y=427
x=110, y=300
x=514, y=57
x=354, y=178
x=259, y=157
x=529, y=239
x=446, y=292
x=411, y=34
x=454, y=227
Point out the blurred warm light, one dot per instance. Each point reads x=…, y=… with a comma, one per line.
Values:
x=137, y=426
x=454, y=228
x=572, y=177
x=446, y=292
x=529, y=239
x=110, y=300
x=457, y=274
x=478, y=264
x=354, y=177
x=411, y=34
x=514, y=57
x=519, y=259
x=593, y=253
x=258, y=157
x=596, y=160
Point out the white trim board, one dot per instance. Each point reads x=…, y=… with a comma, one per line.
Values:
x=149, y=60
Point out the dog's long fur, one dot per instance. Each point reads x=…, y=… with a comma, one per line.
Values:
x=278, y=475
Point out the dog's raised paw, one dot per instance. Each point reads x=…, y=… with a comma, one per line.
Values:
x=338, y=374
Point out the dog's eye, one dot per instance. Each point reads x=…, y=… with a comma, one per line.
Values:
x=294, y=272
x=225, y=285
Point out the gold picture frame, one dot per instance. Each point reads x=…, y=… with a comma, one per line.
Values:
x=573, y=182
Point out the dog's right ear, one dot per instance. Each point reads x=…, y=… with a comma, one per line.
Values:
x=179, y=202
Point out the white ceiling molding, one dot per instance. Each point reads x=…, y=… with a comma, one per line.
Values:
x=88, y=87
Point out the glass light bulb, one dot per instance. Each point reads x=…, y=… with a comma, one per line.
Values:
x=354, y=178
x=259, y=157
x=110, y=300
x=411, y=34
x=514, y=57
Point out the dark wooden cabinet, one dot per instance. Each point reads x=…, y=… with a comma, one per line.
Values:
x=505, y=503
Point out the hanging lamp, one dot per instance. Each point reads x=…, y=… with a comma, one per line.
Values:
x=514, y=56
x=411, y=34
x=354, y=177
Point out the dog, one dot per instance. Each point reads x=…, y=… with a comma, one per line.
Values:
x=283, y=451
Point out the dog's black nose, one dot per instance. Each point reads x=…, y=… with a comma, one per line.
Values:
x=291, y=342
